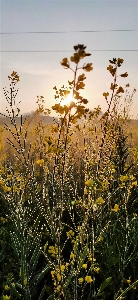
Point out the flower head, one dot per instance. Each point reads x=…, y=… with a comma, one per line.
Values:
x=80, y=280
x=88, y=279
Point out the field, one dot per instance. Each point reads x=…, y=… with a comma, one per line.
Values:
x=69, y=194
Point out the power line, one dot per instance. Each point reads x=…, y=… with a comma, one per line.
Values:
x=63, y=51
x=69, y=31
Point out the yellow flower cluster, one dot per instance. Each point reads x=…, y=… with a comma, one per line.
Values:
x=70, y=234
x=7, y=189
x=6, y=297
x=58, y=274
x=6, y=287
x=80, y=280
x=40, y=162
x=3, y=220
x=53, y=250
x=96, y=269
x=116, y=208
x=84, y=266
x=72, y=256
x=88, y=279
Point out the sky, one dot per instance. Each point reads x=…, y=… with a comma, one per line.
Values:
x=50, y=25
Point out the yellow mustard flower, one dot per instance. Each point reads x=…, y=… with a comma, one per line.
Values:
x=58, y=277
x=52, y=274
x=116, y=208
x=89, y=183
x=7, y=189
x=80, y=280
x=96, y=269
x=53, y=250
x=88, y=279
x=58, y=288
x=62, y=268
x=25, y=281
x=100, y=201
x=6, y=287
x=67, y=264
x=40, y=162
x=70, y=234
x=124, y=178
x=3, y=220
x=128, y=281
x=6, y=297
x=71, y=255
x=90, y=258
x=84, y=266
x=73, y=241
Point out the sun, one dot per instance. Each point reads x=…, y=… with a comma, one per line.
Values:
x=68, y=100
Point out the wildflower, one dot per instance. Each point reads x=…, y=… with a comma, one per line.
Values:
x=70, y=234
x=58, y=277
x=6, y=287
x=3, y=220
x=80, y=280
x=7, y=189
x=123, y=178
x=96, y=269
x=52, y=274
x=6, y=297
x=100, y=200
x=88, y=279
x=58, y=288
x=25, y=281
x=128, y=281
x=84, y=266
x=62, y=268
x=40, y=162
x=134, y=183
x=67, y=264
x=71, y=256
x=90, y=258
x=89, y=183
x=116, y=208
x=53, y=250
x=9, y=177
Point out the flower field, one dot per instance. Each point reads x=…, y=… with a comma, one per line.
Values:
x=69, y=193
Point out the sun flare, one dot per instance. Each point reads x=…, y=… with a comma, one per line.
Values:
x=68, y=100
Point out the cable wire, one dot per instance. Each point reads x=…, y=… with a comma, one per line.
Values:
x=70, y=31
x=65, y=51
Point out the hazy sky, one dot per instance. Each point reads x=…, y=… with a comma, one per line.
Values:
x=40, y=71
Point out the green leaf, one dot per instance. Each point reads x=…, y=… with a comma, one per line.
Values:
x=14, y=291
x=42, y=274
x=104, y=284
x=42, y=293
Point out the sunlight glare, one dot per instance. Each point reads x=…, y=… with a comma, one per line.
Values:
x=68, y=100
